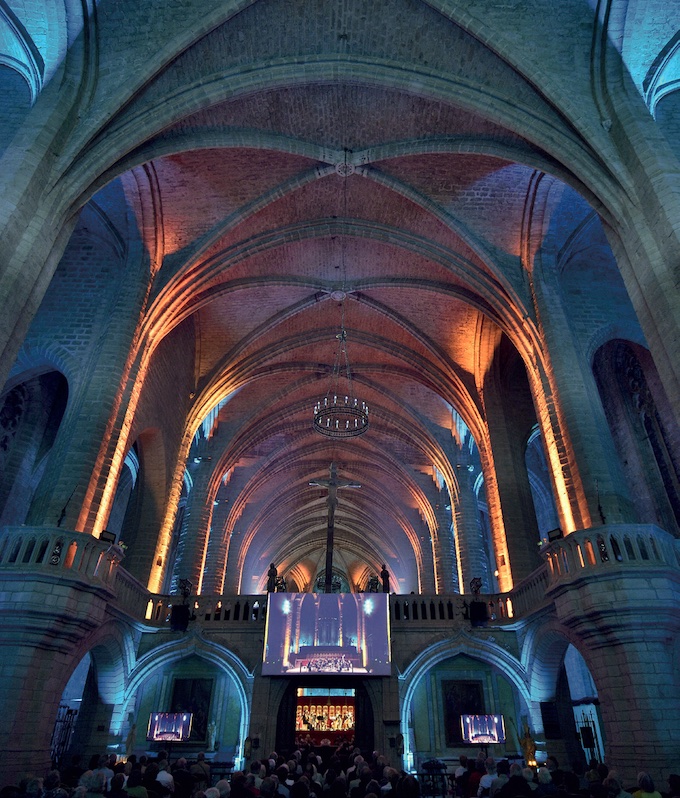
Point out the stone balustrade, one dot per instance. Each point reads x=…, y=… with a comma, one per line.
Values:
x=82, y=556
x=208, y=610
x=599, y=549
x=51, y=550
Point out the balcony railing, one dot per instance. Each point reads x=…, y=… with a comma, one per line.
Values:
x=610, y=548
x=51, y=550
x=77, y=555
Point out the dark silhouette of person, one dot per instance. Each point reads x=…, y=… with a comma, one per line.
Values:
x=385, y=576
x=272, y=573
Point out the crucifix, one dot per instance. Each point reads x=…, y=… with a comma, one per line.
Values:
x=333, y=484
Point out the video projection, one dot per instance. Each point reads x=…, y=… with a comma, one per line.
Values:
x=482, y=729
x=322, y=633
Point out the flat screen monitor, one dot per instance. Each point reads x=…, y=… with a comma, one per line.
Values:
x=317, y=634
x=171, y=727
x=483, y=729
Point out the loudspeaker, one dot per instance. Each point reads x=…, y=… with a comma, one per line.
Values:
x=587, y=739
x=179, y=617
x=478, y=613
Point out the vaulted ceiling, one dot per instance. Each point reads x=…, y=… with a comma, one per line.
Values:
x=286, y=151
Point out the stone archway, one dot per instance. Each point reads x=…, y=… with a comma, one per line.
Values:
x=151, y=685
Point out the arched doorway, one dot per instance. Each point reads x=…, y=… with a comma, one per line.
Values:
x=324, y=693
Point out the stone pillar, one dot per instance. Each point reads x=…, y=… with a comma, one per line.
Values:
x=218, y=548
x=508, y=422
x=54, y=597
x=469, y=533
x=198, y=515
x=592, y=471
x=622, y=614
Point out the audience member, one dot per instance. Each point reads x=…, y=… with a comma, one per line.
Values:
x=645, y=787
x=545, y=783
x=201, y=772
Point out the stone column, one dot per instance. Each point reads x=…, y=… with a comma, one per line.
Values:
x=198, y=515
x=469, y=533
x=508, y=427
x=623, y=617
x=50, y=605
x=592, y=472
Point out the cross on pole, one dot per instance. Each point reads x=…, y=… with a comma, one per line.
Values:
x=333, y=484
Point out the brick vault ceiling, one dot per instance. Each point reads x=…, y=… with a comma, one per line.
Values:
x=255, y=229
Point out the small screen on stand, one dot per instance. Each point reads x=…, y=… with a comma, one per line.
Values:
x=170, y=727
x=483, y=729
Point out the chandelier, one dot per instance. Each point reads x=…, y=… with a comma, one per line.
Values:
x=339, y=414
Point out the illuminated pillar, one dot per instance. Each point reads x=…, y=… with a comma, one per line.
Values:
x=470, y=543
x=297, y=604
x=361, y=633
x=509, y=414
x=316, y=620
x=594, y=479
x=191, y=549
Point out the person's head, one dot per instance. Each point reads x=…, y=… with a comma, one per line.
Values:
x=181, y=763
x=224, y=788
x=161, y=755
x=52, y=780
x=212, y=792
x=373, y=786
x=490, y=765
x=200, y=757
x=674, y=785
x=645, y=782
x=528, y=774
x=151, y=771
x=515, y=769
x=118, y=782
x=163, y=764
x=282, y=773
x=544, y=776
x=268, y=787
x=503, y=767
x=34, y=787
